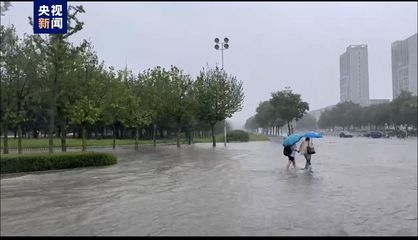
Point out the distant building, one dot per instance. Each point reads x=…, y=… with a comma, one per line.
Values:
x=378, y=101
x=354, y=75
x=404, y=66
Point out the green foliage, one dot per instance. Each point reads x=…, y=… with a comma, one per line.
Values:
x=307, y=122
x=402, y=110
x=53, y=85
x=180, y=96
x=40, y=162
x=283, y=107
x=84, y=112
x=237, y=136
x=218, y=96
x=251, y=124
x=288, y=106
x=265, y=116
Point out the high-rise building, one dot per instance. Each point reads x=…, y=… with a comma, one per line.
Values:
x=404, y=66
x=354, y=75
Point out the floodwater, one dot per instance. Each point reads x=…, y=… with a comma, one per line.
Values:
x=359, y=186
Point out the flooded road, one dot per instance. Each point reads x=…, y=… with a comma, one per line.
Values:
x=359, y=186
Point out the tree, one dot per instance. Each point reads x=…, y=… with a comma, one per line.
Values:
x=55, y=47
x=307, y=122
x=288, y=106
x=324, y=120
x=137, y=113
x=404, y=110
x=219, y=96
x=31, y=70
x=84, y=112
x=10, y=70
x=180, y=99
x=20, y=68
x=74, y=74
x=4, y=6
x=114, y=105
x=265, y=115
x=251, y=124
x=153, y=87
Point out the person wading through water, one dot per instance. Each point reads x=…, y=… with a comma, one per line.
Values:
x=303, y=149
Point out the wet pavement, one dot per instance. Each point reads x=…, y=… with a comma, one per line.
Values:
x=359, y=186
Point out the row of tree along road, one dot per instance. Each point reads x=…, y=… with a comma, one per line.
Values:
x=49, y=84
x=402, y=111
x=287, y=109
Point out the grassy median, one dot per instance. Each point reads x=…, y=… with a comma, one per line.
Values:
x=75, y=142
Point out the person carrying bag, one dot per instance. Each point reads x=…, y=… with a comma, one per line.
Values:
x=307, y=149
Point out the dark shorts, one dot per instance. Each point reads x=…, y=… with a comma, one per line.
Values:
x=291, y=158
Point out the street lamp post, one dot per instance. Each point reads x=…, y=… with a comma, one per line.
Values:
x=223, y=46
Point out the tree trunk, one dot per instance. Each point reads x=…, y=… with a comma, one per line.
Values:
x=154, y=135
x=51, y=129
x=114, y=137
x=63, y=137
x=190, y=136
x=288, y=128
x=83, y=133
x=136, y=138
x=213, y=135
x=178, y=137
x=5, y=139
x=19, y=140
x=52, y=113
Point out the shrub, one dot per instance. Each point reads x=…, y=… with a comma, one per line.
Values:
x=40, y=162
x=237, y=136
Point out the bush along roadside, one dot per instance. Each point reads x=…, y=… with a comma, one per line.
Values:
x=237, y=136
x=41, y=162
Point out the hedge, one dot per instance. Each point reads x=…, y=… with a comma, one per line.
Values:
x=237, y=136
x=40, y=162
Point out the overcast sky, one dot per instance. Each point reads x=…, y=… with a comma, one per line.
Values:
x=272, y=44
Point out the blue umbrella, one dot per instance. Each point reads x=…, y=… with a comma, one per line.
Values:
x=291, y=139
x=312, y=135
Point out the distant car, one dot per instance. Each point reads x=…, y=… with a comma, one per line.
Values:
x=345, y=135
x=376, y=134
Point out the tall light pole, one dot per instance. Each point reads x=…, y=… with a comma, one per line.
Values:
x=224, y=46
